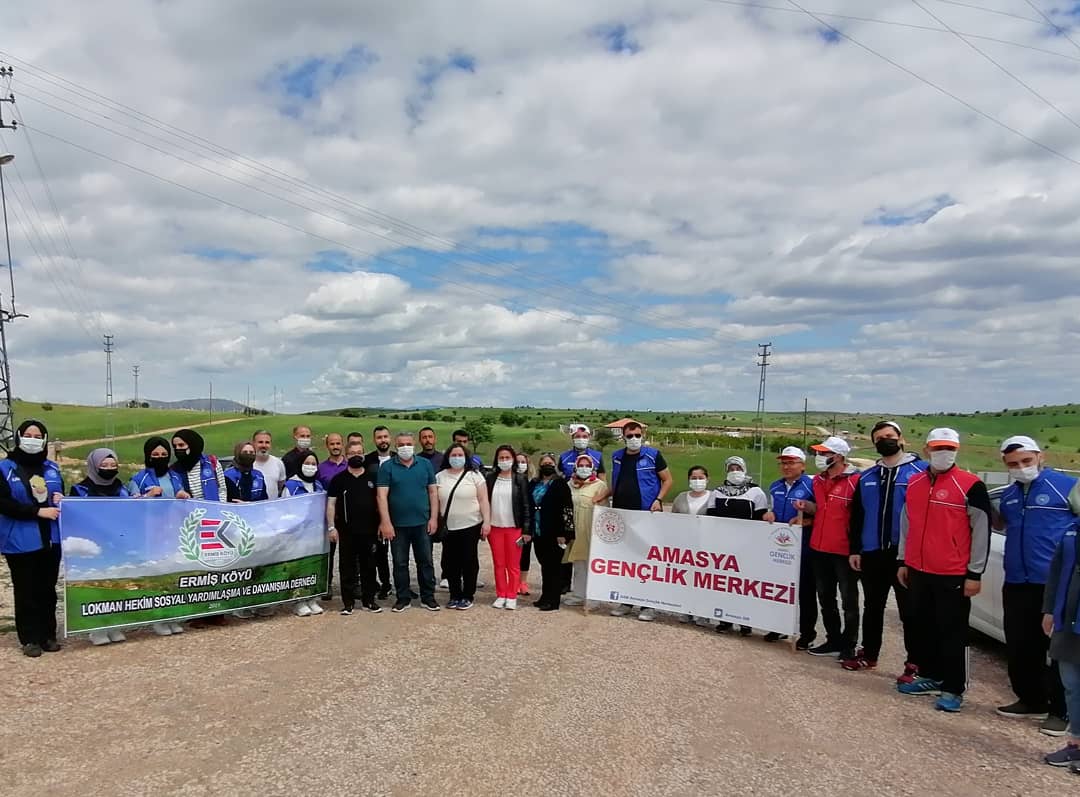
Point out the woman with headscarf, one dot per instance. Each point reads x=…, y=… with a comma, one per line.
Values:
x=201, y=473
x=245, y=483
x=303, y=483
x=587, y=490
x=102, y=481
x=552, y=528
x=157, y=480
x=31, y=489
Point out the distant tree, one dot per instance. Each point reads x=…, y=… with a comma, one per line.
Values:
x=527, y=447
x=490, y=420
x=431, y=415
x=416, y=416
x=508, y=418
x=479, y=432
x=603, y=438
x=448, y=418
x=1053, y=439
x=145, y=405
x=47, y=406
x=350, y=413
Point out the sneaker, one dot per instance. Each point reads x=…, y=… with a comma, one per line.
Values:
x=444, y=584
x=162, y=629
x=685, y=619
x=499, y=603
x=372, y=607
x=401, y=606
x=745, y=630
x=346, y=610
x=549, y=607
x=116, y=635
x=724, y=627
x=827, y=649
x=804, y=642
x=50, y=646
x=464, y=604
x=314, y=606
x=453, y=604
x=1054, y=726
x=31, y=650
x=511, y=603
x=910, y=673
x=266, y=611
x=523, y=588
x=1021, y=710
x=859, y=662
x=301, y=609
x=329, y=596
x=621, y=610
x=176, y=628
x=920, y=686
x=572, y=600
x=96, y=638
x=646, y=615
x=1070, y=754
x=243, y=614
x=1075, y=768
x=949, y=702
x=431, y=605
x=702, y=622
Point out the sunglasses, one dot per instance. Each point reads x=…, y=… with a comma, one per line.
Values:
x=632, y=437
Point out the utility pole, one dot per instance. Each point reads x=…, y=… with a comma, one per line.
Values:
x=805, y=416
x=247, y=403
x=108, y=340
x=275, y=399
x=211, y=402
x=7, y=418
x=759, y=431
x=135, y=373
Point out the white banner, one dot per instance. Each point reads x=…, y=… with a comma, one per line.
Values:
x=738, y=571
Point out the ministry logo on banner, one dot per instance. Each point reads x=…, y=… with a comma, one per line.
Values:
x=216, y=542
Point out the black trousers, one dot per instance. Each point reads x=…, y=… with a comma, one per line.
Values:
x=878, y=577
x=330, y=569
x=1032, y=680
x=382, y=564
x=33, y=580
x=808, y=611
x=461, y=562
x=357, y=552
x=526, y=558
x=832, y=573
x=939, y=616
x=567, y=577
x=549, y=555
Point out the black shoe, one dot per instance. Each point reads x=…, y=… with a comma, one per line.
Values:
x=400, y=606
x=329, y=596
x=804, y=643
x=723, y=627
x=347, y=610
x=373, y=607
x=431, y=605
x=772, y=636
x=383, y=593
x=1021, y=709
x=745, y=630
x=549, y=607
x=828, y=649
x=32, y=650
x=565, y=590
x=50, y=646
x=414, y=594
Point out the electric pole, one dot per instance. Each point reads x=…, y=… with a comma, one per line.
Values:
x=108, y=340
x=135, y=373
x=7, y=418
x=805, y=414
x=211, y=402
x=759, y=431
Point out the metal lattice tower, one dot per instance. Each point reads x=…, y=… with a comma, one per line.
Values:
x=7, y=417
x=108, y=340
x=759, y=425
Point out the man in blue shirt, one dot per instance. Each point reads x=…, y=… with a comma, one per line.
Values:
x=409, y=514
x=794, y=485
x=580, y=437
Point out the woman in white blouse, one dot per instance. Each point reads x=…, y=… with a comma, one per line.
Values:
x=511, y=526
x=464, y=510
x=694, y=501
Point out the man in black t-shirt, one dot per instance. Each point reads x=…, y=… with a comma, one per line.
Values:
x=352, y=513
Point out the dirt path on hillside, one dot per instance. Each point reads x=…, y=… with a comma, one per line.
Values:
x=170, y=430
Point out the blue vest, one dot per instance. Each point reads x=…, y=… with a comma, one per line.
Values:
x=295, y=486
x=784, y=498
x=258, y=483
x=82, y=492
x=871, y=499
x=24, y=536
x=208, y=477
x=1069, y=570
x=146, y=479
x=568, y=458
x=647, y=477
x=1035, y=524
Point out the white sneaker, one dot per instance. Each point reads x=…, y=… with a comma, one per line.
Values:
x=243, y=614
x=686, y=618
x=647, y=615
x=573, y=600
x=500, y=603
x=116, y=635
x=162, y=629
x=621, y=610
x=301, y=609
x=99, y=638
x=511, y=603
x=266, y=611
x=703, y=622
x=444, y=584
x=176, y=628
x=313, y=604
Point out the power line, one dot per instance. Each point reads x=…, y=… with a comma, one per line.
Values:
x=1061, y=31
x=759, y=421
x=986, y=10
x=108, y=341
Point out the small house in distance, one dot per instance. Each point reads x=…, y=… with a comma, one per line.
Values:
x=616, y=427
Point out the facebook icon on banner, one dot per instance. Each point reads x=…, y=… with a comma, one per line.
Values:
x=613, y=595
x=718, y=613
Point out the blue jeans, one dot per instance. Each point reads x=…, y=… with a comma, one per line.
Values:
x=419, y=540
x=1070, y=679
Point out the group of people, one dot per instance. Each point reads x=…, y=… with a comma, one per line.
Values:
x=918, y=528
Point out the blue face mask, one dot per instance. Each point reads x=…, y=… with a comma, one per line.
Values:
x=457, y=462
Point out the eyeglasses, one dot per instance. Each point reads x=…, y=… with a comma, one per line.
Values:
x=632, y=437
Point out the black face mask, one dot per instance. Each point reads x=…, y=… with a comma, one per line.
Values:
x=356, y=461
x=108, y=474
x=185, y=460
x=887, y=446
x=159, y=465
x=245, y=460
x=547, y=470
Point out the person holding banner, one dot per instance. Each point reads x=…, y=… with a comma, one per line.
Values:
x=552, y=529
x=352, y=512
x=303, y=482
x=243, y=482
x=202, y=475
x=157, y=479
x=587, y=491
x=694, y=501
x=31, y=488
x=271, y=467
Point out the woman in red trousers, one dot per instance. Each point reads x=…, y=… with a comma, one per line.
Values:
x=511, y=512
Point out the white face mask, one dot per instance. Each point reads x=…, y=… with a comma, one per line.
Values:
x=32, y=445
x=505, y=464
x=822, y=462
x=583, y=472
x=699, y=485
x=309, y=470
x=633, y=443
x=1025, y=475
x=457, y=462
x=262, y=455
x=405, y=453
x=737, y=477
x=942, y=460
x=523, y=467
x=303, y=442
x=581, y=443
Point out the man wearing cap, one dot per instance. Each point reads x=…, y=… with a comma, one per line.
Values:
x=944, y=546
x=1035, y=513
x=580, y=437
x=874, y=537
x=794, y=485
x=834, y=489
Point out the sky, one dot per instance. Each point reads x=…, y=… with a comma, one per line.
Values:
x=556, y=204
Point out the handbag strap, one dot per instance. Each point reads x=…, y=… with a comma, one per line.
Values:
x=450, y=499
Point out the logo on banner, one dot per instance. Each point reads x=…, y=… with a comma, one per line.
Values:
x=216, y=542
x=783, y=537
x=613, y=595
x=718, y=613
x=1042, y=500
x=611, y=528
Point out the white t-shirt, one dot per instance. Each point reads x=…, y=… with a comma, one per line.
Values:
x=273, y=470
x=696, y=504
x=465, y=508
x=502, y=504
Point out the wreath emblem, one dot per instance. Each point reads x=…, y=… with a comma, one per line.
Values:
x=216, y=542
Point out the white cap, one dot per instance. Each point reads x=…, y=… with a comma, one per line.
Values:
x=943, y=435
x=1020, y=442
x=579, y=427
x=793, y=452
x=834, y=445
x=734, y=461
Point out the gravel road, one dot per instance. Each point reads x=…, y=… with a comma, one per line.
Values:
x=492, y=702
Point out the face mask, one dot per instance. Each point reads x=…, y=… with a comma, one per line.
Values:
x=699, y=485
x=405, y=453
x=356, y=461
x=303, y=442
x=583, y=473
x=505, y=464
x=1025, y=475
x=245, y=460
x=942, y=460
x=547, y=470
x=262, y=456
x=581, y=443
x=737, y=477
x=822, y=462
x=32, y=445
x=309, y=470
x=887, y=446
x=108, y=473
x=457, y=461
x=633, y=443
x=159, y=465
x=523, y=467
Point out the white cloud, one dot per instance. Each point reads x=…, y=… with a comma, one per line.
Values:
x=81, y=548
